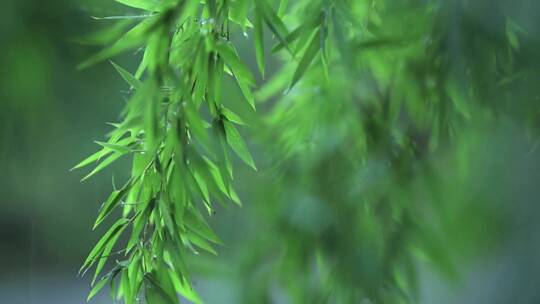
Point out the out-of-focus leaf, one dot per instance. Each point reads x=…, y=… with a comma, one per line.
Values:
x=304, y=29
x=282, y=7
x=259, y=42
x=272, y=20
x=309, y=55
x=133, y=38
x=147, y=5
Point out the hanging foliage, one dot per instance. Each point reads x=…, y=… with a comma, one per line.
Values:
x=366, y=95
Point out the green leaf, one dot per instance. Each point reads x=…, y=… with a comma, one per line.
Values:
x=201, y=185
x=112, y=201
x=196, y=223
x=97, y=288
x=126, y=287
x=304, y=29
x=127, y=76
x=232, y=117
x=282, y=7
x=111, y=146
x=119, y=148
x=92, y=158
x=200, y=242
x=238, y=11
x=259, y=42
x=184, y=288
x=98, y=248
x=240, y=70
x=237, y=144
x=272, y=20
x=155, y=293
x=102, y=165
x=133, y=38
x=202, y=79
x=248, y=95
x=140, y=222
x=103, y=257
x=105, y=36
x=147, y=5
x=166, y=216
x=212, y=7
x=187, y=10
x=277, y=84
x=309, y=55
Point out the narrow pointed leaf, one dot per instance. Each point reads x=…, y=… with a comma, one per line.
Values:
x=232, y=117
x=240, y=70
x=147, y=5
x=272, y=20
x=127, y=76
x=103, y=242
x=237, y=144
x=92, y=158
x=102, y=165
x=131, y=39
x=97, y=288
x=259, y=42
x=111, y=202
x=304, y=29
x=309, y=55
x=119, y=148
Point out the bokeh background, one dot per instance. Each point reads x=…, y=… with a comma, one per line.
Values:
x=50, y=114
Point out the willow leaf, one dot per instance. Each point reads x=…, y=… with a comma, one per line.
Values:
x=272, y=20
x=196, y=223
x=92, y=158
x=103, y=257
x=309, y=55
x=155, y=293
x=133, y=38
x=97, y=288
x=237, y=144
x=259, y=42
x=282, y=7
x=147, y=5
x=240, y=70
x=305, y=28
x=112, y=201
x=102, y=165
x=127, y=76
x=117, y=226
x=119, y=148
x=248, y=95
x=200, y=242
x=232, y=117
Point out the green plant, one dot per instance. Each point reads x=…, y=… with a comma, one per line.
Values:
x=375, y=92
